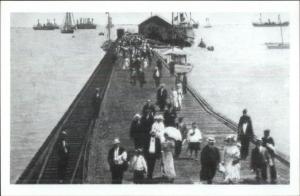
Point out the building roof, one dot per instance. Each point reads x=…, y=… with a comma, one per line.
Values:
x=156, y=19
x=175, y=51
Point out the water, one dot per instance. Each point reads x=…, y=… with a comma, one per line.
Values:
x=48, y=69
x=243, y=73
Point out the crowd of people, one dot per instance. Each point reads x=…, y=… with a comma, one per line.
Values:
x=159, y=134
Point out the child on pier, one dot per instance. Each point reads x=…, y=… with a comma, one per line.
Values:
x=139, y=167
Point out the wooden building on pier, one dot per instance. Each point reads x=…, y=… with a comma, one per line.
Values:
x=156, y=28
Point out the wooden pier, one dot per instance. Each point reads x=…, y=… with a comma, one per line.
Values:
x=123, y=100
x=90, y=140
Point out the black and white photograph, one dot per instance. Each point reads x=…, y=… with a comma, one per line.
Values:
x=149, y=95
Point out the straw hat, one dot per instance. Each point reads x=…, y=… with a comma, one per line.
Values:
x=211, y=139
x=116, y=141
x=137, y=116
x=160, y=117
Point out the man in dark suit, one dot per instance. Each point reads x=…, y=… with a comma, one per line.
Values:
x=148, y=108
x=245, y=133
x=96, y=103
x=210, y=159
x=258, y=161
x=117, y=160
x=170, y=116
x=152, y=152
x=63, y=156
x=161, y=96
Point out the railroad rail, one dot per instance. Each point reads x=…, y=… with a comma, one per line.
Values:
x=209, y=109
x=79, y=122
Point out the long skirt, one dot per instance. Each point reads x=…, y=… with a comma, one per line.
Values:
x=232, y=172
x=167, y=167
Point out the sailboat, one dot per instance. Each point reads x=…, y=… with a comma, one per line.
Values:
x=278, y=45
x=68, y=26
x=208, y=25
x=106, y=45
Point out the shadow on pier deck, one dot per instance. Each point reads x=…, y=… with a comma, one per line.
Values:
x=122, y=101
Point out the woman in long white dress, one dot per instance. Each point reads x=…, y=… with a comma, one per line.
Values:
x=179, y=95
x=167, y=166
x=174, y=96
x=231, y=161
x=126, y=63
x=145, y=63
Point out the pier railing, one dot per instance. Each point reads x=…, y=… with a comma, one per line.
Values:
x=79, y=116
x=208, y=108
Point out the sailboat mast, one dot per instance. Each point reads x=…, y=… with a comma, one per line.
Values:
x=260, y=18
x=108, y=25
x=280, y=28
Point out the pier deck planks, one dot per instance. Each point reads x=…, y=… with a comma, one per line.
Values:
x=122, y=101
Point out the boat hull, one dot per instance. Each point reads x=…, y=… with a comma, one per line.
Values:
x=67, y=31
x=43, y=28
x=86, y=26
x=270, y=24
x=278, y=45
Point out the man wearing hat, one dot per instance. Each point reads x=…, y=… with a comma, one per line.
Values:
x=97, y=102
x=269, y=144
x=210, y=159
x=245, y=133
x=161, y=97
x=136, y=131
x=152, y=152
x=63, y=156
x=148, y=108
x=117, y=160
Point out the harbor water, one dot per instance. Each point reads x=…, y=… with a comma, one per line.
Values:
x=48, y=69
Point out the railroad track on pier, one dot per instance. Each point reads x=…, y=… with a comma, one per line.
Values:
x=79, y=122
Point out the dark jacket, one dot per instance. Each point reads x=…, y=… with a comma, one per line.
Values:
x=141, y=77
x=136, y=131
x=110, y=158
x=249, y=130
x=170, y=118
x=149, y=108
x=257, y=159
x=210, y=158
x=161, y=96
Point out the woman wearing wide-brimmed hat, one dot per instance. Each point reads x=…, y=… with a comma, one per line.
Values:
x=231, y=160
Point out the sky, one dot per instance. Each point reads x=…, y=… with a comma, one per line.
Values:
x=30, y=19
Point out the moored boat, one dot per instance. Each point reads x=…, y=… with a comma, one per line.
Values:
x=47, y=26
x=68, y=26
x=208, y=25
x=269, y=23
x=278, y=45
x=184, y=31
x=85, y=23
